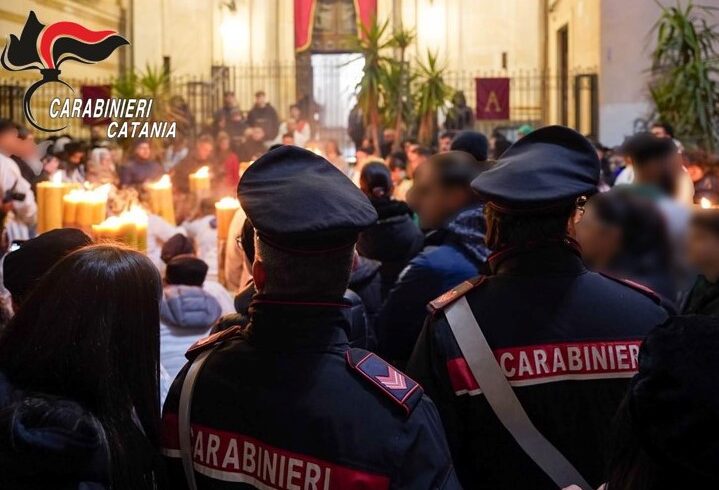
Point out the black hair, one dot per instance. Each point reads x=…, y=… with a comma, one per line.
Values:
x=448, y=134
x=369, y=149
x=506, y=230
x=644, y=234
x=397, y=160
x=422, y=151
x=376, y=180
x=77, y=146
x=89, y=332
x=665, y=126
x=643, y=148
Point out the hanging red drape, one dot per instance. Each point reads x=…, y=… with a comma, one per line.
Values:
x=366, y=11
x=304, y=17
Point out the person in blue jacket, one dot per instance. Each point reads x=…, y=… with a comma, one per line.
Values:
x=453, y=251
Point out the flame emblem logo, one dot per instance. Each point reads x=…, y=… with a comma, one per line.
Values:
x=45, y=48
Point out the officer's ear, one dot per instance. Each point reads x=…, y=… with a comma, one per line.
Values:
x=259, y=275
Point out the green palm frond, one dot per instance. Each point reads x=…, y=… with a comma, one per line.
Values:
x=685, y=69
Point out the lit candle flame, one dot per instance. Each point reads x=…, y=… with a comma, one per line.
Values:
x=56, y=178
x=705, y=203
x=227, y=203
x=203, y=172
x=164, y=182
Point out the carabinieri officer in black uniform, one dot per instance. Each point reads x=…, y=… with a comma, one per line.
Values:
x=286, y=403
x=528, y=365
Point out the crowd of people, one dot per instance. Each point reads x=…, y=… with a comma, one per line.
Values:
x=585, y=278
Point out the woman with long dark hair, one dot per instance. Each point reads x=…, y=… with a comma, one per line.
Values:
x=79, y=368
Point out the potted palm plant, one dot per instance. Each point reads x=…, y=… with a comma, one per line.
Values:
x=370, y=89
x=685, y=68
x=398, y=110
x=432, y=94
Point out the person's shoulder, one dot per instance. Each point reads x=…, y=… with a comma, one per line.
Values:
x=629, y=290
x=440, y=303
x=385, y=382
x=623, y=300
x=212, y=341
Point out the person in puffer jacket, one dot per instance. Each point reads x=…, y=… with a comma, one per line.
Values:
x=187, y=312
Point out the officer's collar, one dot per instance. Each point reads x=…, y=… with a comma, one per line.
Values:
x=545, y=257
x=294, y=323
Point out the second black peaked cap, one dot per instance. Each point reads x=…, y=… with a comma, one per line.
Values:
x=550, y=166
x=298, y=201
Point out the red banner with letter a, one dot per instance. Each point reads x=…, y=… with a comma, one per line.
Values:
x=492, y=98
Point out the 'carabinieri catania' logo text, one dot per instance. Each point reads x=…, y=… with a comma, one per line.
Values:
x=45, y=48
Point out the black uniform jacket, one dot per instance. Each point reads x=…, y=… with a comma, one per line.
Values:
x=287, y=404
x=566, y=338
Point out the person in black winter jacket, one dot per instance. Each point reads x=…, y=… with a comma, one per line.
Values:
x=454, y=250
x=395, y=238
x=265, y=116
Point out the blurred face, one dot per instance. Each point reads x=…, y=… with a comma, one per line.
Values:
x=106, y=159
x=142, y=151
x=9, y=141
x=204, y=150
x=445, y=143
x=696, y=172
x=258, y=134
x=76, y=158
x=230, y=100
x=50, y=165
x=660, y=172
x=295, y=112
x=361, y=157
x=288, y=140
x=411, y=152
x=434, y=203
x=414, y=161
x=26, y=148
x=397, y=175
x=261, y=100
x=600, y=242
x=223, y=144
x=703, y=251
x=659, y=132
